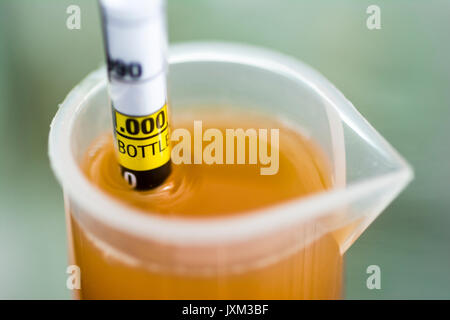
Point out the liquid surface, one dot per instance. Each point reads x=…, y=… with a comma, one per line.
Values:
x=205, y=190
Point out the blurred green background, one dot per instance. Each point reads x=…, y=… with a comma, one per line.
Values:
x=397, y=77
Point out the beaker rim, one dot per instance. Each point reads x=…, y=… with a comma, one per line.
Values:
x=195, y=231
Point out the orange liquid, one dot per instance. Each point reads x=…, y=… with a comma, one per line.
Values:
x=202, y=191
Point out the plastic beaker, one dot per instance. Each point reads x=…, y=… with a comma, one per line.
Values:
x=290, y=251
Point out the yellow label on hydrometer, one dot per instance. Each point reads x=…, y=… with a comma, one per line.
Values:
x=143, y=143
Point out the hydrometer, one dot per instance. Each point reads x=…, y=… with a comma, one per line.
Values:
x=135, y=40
